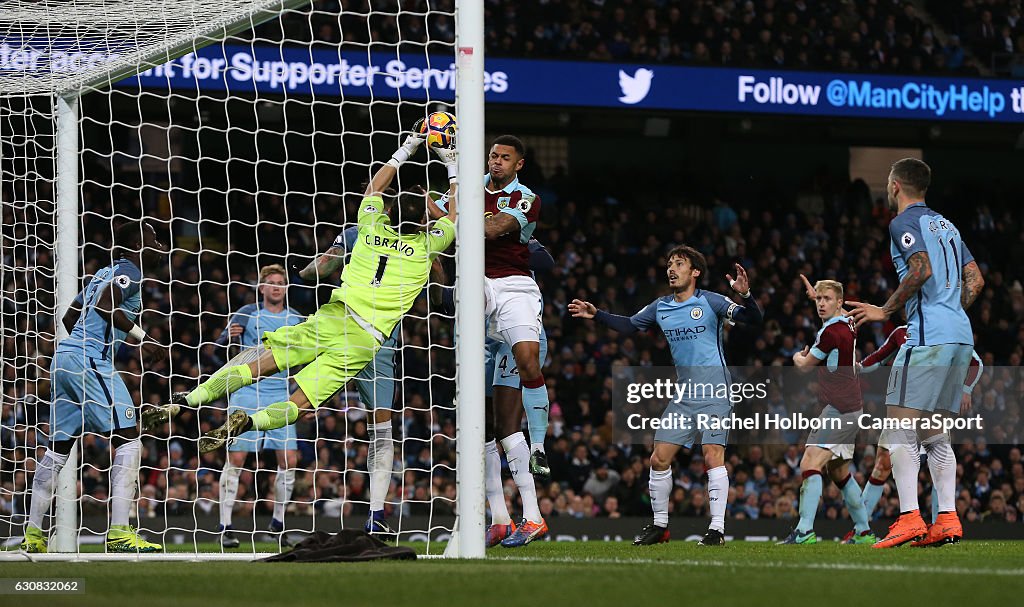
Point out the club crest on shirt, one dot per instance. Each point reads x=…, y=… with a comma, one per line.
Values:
x=129, y=413
x=907, y=240
x=696, y=313
x=503, y=202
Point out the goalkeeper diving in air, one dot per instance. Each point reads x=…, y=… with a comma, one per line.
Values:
x=385, y=275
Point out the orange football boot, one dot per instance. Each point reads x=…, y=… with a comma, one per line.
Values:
x=907, y=528
x=945, y=530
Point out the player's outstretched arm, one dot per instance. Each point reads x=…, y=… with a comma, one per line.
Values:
x=382, y=179
x=324, y=264
x=973, y=283
x=919, y=269
x=809, y=288
x=584, y=309
x=328, y=262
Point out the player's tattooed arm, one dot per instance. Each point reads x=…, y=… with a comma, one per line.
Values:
x=919, y=269
x=499, y=224
x=973, y=283
x=324, y=265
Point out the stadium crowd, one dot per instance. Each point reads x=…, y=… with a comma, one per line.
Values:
x=610, y=251
x=837, y=35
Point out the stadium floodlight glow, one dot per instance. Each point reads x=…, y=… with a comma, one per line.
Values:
x=232, y=181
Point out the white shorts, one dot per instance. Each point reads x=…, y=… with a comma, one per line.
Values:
x=840, y=441
x=513, y=309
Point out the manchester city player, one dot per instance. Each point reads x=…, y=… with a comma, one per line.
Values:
x=88, y=394
x=376, y=387
x=692, y=321
x=246, y=328
x=939, y=279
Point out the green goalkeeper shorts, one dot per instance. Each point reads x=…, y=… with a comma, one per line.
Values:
x=332, y=345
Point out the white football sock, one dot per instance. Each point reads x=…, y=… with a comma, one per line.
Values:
x=284, y=482
x=519, y=463
x=381, y=463
x=492, y=482
x=718, y=493
x=906, y=464
x=660, y=486
x=43, y=484
x=124, y=477
x=228, y=491
x=942, y=465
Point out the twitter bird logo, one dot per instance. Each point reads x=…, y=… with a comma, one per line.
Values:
x=635, y=87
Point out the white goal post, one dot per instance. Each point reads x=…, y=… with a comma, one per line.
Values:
x=58, y=55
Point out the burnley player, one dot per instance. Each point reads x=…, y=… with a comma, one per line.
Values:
x=513, y=313
x=939, y=279
x=883, y=466
x=827, y=449
x=692, y=321
x=504, y=411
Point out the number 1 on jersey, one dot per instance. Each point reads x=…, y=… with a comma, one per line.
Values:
x=381, y=266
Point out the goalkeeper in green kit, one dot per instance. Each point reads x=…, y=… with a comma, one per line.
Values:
x=386, y=273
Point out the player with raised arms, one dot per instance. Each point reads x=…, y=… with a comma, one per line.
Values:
x=385, y=275
x=375, y=384
x=839, y=395
x=882, y=469
x=89, y=395
x=246, y=328
x=939, y=279
x=513, y=315
x=692, y=321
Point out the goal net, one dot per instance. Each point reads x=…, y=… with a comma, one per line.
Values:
x=243, y=132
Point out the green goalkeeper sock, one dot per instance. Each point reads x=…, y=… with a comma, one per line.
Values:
x=277, y=415
x=225, y=381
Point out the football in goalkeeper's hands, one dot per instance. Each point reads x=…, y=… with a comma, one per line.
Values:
x=439, y=130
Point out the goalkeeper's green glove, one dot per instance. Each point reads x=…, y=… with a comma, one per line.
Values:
x=409, y=146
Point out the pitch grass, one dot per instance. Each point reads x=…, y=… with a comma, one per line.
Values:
x=569, y=574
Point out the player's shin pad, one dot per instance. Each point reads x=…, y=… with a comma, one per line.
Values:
x=277, y=415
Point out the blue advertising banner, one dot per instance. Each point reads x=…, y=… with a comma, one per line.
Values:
x=402, y=76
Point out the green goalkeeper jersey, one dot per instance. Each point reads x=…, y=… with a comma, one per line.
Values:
x=387, y=270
